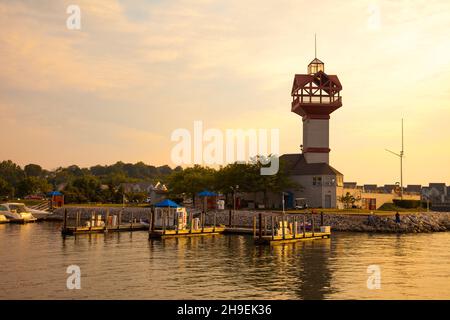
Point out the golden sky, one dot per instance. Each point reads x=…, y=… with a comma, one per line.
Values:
x=137, y=70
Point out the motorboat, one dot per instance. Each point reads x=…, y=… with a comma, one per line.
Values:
x=40, y=214
x=16, y=213
x=3, y=219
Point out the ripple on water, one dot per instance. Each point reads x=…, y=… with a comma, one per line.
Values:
x=34, y=259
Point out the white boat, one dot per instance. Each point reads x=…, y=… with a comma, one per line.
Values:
x=39, y=214
x=3, y=219
x=16, y=213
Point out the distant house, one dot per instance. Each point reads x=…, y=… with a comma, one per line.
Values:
x=414, y=188
x=370, y=188
x=156, y=193
x=350, y=185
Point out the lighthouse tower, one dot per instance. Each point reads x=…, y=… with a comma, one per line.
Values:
x=315, y=96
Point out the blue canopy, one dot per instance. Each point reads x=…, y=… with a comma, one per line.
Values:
x=54, y=193
x=167, y=203
x=207, y=193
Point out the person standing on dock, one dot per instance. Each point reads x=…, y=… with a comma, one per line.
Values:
x=397, y=217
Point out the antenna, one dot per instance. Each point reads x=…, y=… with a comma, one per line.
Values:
x=315, y=46
x=400, y=155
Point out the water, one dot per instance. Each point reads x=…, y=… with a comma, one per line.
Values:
x=34, y=258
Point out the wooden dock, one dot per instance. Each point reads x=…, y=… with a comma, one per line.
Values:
x=104, y=227
x=291, y=238
x=286, y=230
x=206, y=231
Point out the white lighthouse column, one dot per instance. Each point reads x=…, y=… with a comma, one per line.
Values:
x=316, y=140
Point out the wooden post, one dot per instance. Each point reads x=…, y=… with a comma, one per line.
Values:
x=294, y=228
x=229, y=219
x=260, y=225
x=131, y=225
x=265, y=225
x=215, y=220
x=254, y=226
x=272, y=225
x=152, y=224
x=119, y=219
x=106, y=220
x=203, y=221
x=77, y=221
x=65, y=219
x=304, y=225
x=164, y=221
x=191, y=218
x=282, y=226
x=321, y=218
x=312, y=224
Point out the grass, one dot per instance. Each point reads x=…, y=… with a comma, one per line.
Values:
x=102, y=205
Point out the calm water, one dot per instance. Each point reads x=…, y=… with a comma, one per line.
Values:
x=34, y=258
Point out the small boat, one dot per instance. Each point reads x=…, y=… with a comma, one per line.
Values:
x=3, y=219
x=40, y=214
x=16, y=213
x=145, y=222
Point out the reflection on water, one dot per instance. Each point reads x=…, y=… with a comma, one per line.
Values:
x=34, y=258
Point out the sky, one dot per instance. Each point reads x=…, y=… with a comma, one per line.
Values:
x=136, y=70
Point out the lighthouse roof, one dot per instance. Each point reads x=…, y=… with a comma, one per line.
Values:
x=316, y=61
x=300, y=80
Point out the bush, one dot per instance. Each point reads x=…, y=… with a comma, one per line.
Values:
x=408, y=204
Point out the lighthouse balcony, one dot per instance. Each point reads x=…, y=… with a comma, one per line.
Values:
x=315, y=105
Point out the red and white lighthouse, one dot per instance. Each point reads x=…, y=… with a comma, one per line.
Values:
x=315, y=96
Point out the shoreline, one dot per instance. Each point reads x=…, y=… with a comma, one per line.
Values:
x=415, y=222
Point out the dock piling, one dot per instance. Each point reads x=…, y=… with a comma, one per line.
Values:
x=304, y=225
x=260, y=225
x=272, y=225
x=106, y=220
x=65, y=219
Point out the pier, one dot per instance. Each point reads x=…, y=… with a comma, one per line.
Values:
x=284, y=229
x=95, y=224
x=170, y=223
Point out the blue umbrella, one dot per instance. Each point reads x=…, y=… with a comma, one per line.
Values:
x=167, y=203
x=54, y=193
x=207, y=193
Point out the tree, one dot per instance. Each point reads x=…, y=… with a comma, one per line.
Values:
x=11, y=172
x=348, y=200
x=33, y=170
x=191, y=180
x=5, y=187
x=33, y=185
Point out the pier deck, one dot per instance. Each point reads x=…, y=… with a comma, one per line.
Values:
x=120, y=228
x=291, y=238
x=160, y=233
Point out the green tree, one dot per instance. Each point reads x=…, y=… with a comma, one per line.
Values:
x=11, y=172
x=191, y=180
x=348, y=200
x=5, y=187
x=33, y=185
x=33, y=170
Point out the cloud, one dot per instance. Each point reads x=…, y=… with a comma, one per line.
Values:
x=139, y=69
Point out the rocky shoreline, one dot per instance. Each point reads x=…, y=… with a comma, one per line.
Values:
x=409, y=223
